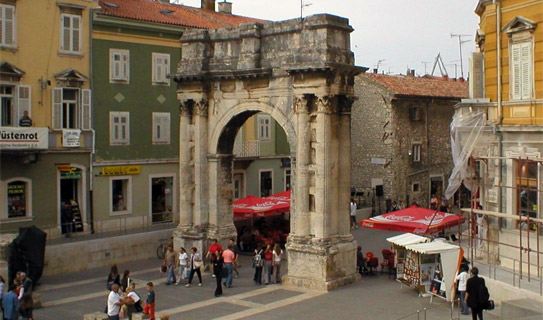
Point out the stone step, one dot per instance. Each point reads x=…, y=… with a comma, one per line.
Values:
x=95, y=316
x=521, y=309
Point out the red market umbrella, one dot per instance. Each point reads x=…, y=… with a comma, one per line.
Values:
x=250, y=207
x=414, y=220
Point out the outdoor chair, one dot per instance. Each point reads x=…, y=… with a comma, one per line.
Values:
x=371, y=261
x=387, y=254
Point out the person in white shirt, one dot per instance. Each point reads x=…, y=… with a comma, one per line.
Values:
x=183, y=257
x=132, y=299
x=114, y=303
x=352, y=206
x=462, y=279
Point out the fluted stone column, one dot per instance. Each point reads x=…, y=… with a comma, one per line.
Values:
x=344, y=139
x=300, y=218
x=201, y=211
x=186, y=181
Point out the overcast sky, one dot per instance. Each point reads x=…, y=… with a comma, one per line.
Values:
x=401, y=32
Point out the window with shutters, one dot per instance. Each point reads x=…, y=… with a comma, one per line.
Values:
x=264, y=127
x=521, y=70
x=71, y=108
x=119, y=128
x=161, y=128
x=119, y=65
x=70, y=33
x=161, y=68
x=7, y=26
x=14, y=101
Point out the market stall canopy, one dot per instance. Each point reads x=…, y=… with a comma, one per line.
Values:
x=253, y=207
x=414, y=220
x=451, y=257
x=407, y=239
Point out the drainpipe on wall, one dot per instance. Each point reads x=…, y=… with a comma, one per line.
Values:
x=499, y=100
x=91, y=155
x=427, y=148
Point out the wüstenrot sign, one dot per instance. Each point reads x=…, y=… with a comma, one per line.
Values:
x=23, y=138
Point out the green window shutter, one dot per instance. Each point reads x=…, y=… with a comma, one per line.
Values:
x=57, y=108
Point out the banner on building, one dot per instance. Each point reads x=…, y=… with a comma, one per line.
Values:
x=70, y=138
x=120, y=170
x=23, y=138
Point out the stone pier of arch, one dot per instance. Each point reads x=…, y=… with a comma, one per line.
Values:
x=301, y=72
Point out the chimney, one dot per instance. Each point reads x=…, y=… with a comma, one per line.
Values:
x=225, y=7
x=375, y=71
x=411, y=72
x=208, y=5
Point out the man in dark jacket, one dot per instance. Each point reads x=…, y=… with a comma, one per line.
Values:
x=472, y=294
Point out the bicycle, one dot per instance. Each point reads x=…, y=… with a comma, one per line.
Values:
x=162, y=247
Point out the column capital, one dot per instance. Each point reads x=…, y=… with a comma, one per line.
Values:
x=345, y=104
x=201, y=107
x=184, y=108
x=301, y=104
x=326, y=104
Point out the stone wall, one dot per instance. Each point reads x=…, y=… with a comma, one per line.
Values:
x=382, y=138
x=84, y=255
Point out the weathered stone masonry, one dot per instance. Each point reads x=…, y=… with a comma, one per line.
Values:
x=301, y=73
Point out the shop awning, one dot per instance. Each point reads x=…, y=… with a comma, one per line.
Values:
x=433, y=247
x=254, y=207
x=407, y=239
x=414, y=220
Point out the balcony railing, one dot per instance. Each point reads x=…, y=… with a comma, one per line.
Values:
x=246, y=149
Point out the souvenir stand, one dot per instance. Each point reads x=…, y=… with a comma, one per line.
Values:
x=428, y=266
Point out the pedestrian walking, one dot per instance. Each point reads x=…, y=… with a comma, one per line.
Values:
x=114, y=302
x=113, y=277
x=26, y=284
x=210, y=255
x=10, y=304
x=170, y=262
x=182, y=265
x=235, y=249
x=125, y=281
x=473, y=288
x=277, y=258
x=195, y=265
x=258, y=264
x=149, y=308
x=218, y=264
x=352, y=207
x=228, y=259
x=462, y=279
x=268, y=264
x=26, y=307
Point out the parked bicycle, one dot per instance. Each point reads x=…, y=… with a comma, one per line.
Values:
x=163, y=247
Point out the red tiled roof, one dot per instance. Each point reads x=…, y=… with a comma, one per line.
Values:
x=157, y=12
x=426, y=86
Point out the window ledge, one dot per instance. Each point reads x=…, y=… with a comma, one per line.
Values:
x=119, y=144
x=120, y=213
x=16, y=220
x=161, y=143
x=71, y=54
x=160, y=83
x=9, y=48
x=119, y=81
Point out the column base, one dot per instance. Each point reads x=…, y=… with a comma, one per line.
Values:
x=200, y=237
x=321, y=264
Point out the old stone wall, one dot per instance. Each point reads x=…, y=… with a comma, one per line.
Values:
x=383, y=134
x=372, y=137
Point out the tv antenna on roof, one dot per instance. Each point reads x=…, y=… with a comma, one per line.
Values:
x=438, y=62
x=460, y=43
x=302, y=6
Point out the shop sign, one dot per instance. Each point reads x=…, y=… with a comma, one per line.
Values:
x=70, y=138
x=120, y=170
x=16, y=188
x=73, y=173
x=23, y=138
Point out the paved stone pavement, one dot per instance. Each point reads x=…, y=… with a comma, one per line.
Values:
x=70, y=296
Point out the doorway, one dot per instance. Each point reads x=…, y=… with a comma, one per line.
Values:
x=162, y=199
x=70, y=211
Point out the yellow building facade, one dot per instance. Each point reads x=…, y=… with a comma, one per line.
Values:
x=511, y=33
x=46, y=111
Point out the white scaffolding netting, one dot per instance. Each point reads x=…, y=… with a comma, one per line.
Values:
x=465, y=133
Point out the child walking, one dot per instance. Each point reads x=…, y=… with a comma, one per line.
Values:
x=149, y=308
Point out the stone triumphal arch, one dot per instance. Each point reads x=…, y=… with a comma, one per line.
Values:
x=301, y=72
